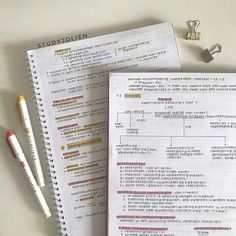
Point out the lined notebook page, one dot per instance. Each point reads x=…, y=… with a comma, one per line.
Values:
x=172, y=154
x=71, y=88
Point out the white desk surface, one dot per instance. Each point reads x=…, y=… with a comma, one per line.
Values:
x=25, y=23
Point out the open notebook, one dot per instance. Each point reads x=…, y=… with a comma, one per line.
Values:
x=71, y=88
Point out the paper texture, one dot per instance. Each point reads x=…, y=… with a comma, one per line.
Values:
x=172, y=154
x=73, y=91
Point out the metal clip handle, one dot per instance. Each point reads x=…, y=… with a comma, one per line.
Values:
x=215, y=49
x=193, y=24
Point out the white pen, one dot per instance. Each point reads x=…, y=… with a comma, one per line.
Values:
x=30, y=136
x=19, y=155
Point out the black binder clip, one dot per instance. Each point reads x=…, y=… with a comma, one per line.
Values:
x=193, y=34
x=207, y=55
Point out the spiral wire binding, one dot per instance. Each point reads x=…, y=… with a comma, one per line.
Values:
x=54, y=189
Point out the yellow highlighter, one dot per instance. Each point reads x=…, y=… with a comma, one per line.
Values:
x=31, y=140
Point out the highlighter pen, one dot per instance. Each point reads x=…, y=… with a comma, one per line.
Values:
x=19, y=155
x=30, y=136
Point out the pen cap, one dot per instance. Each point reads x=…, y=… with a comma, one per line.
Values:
x=9, y=133
x=23, y=108
x=13, y=142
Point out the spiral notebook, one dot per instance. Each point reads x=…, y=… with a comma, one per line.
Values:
x=70, y=83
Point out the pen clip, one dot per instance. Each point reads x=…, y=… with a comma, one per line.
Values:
x=19, y=113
